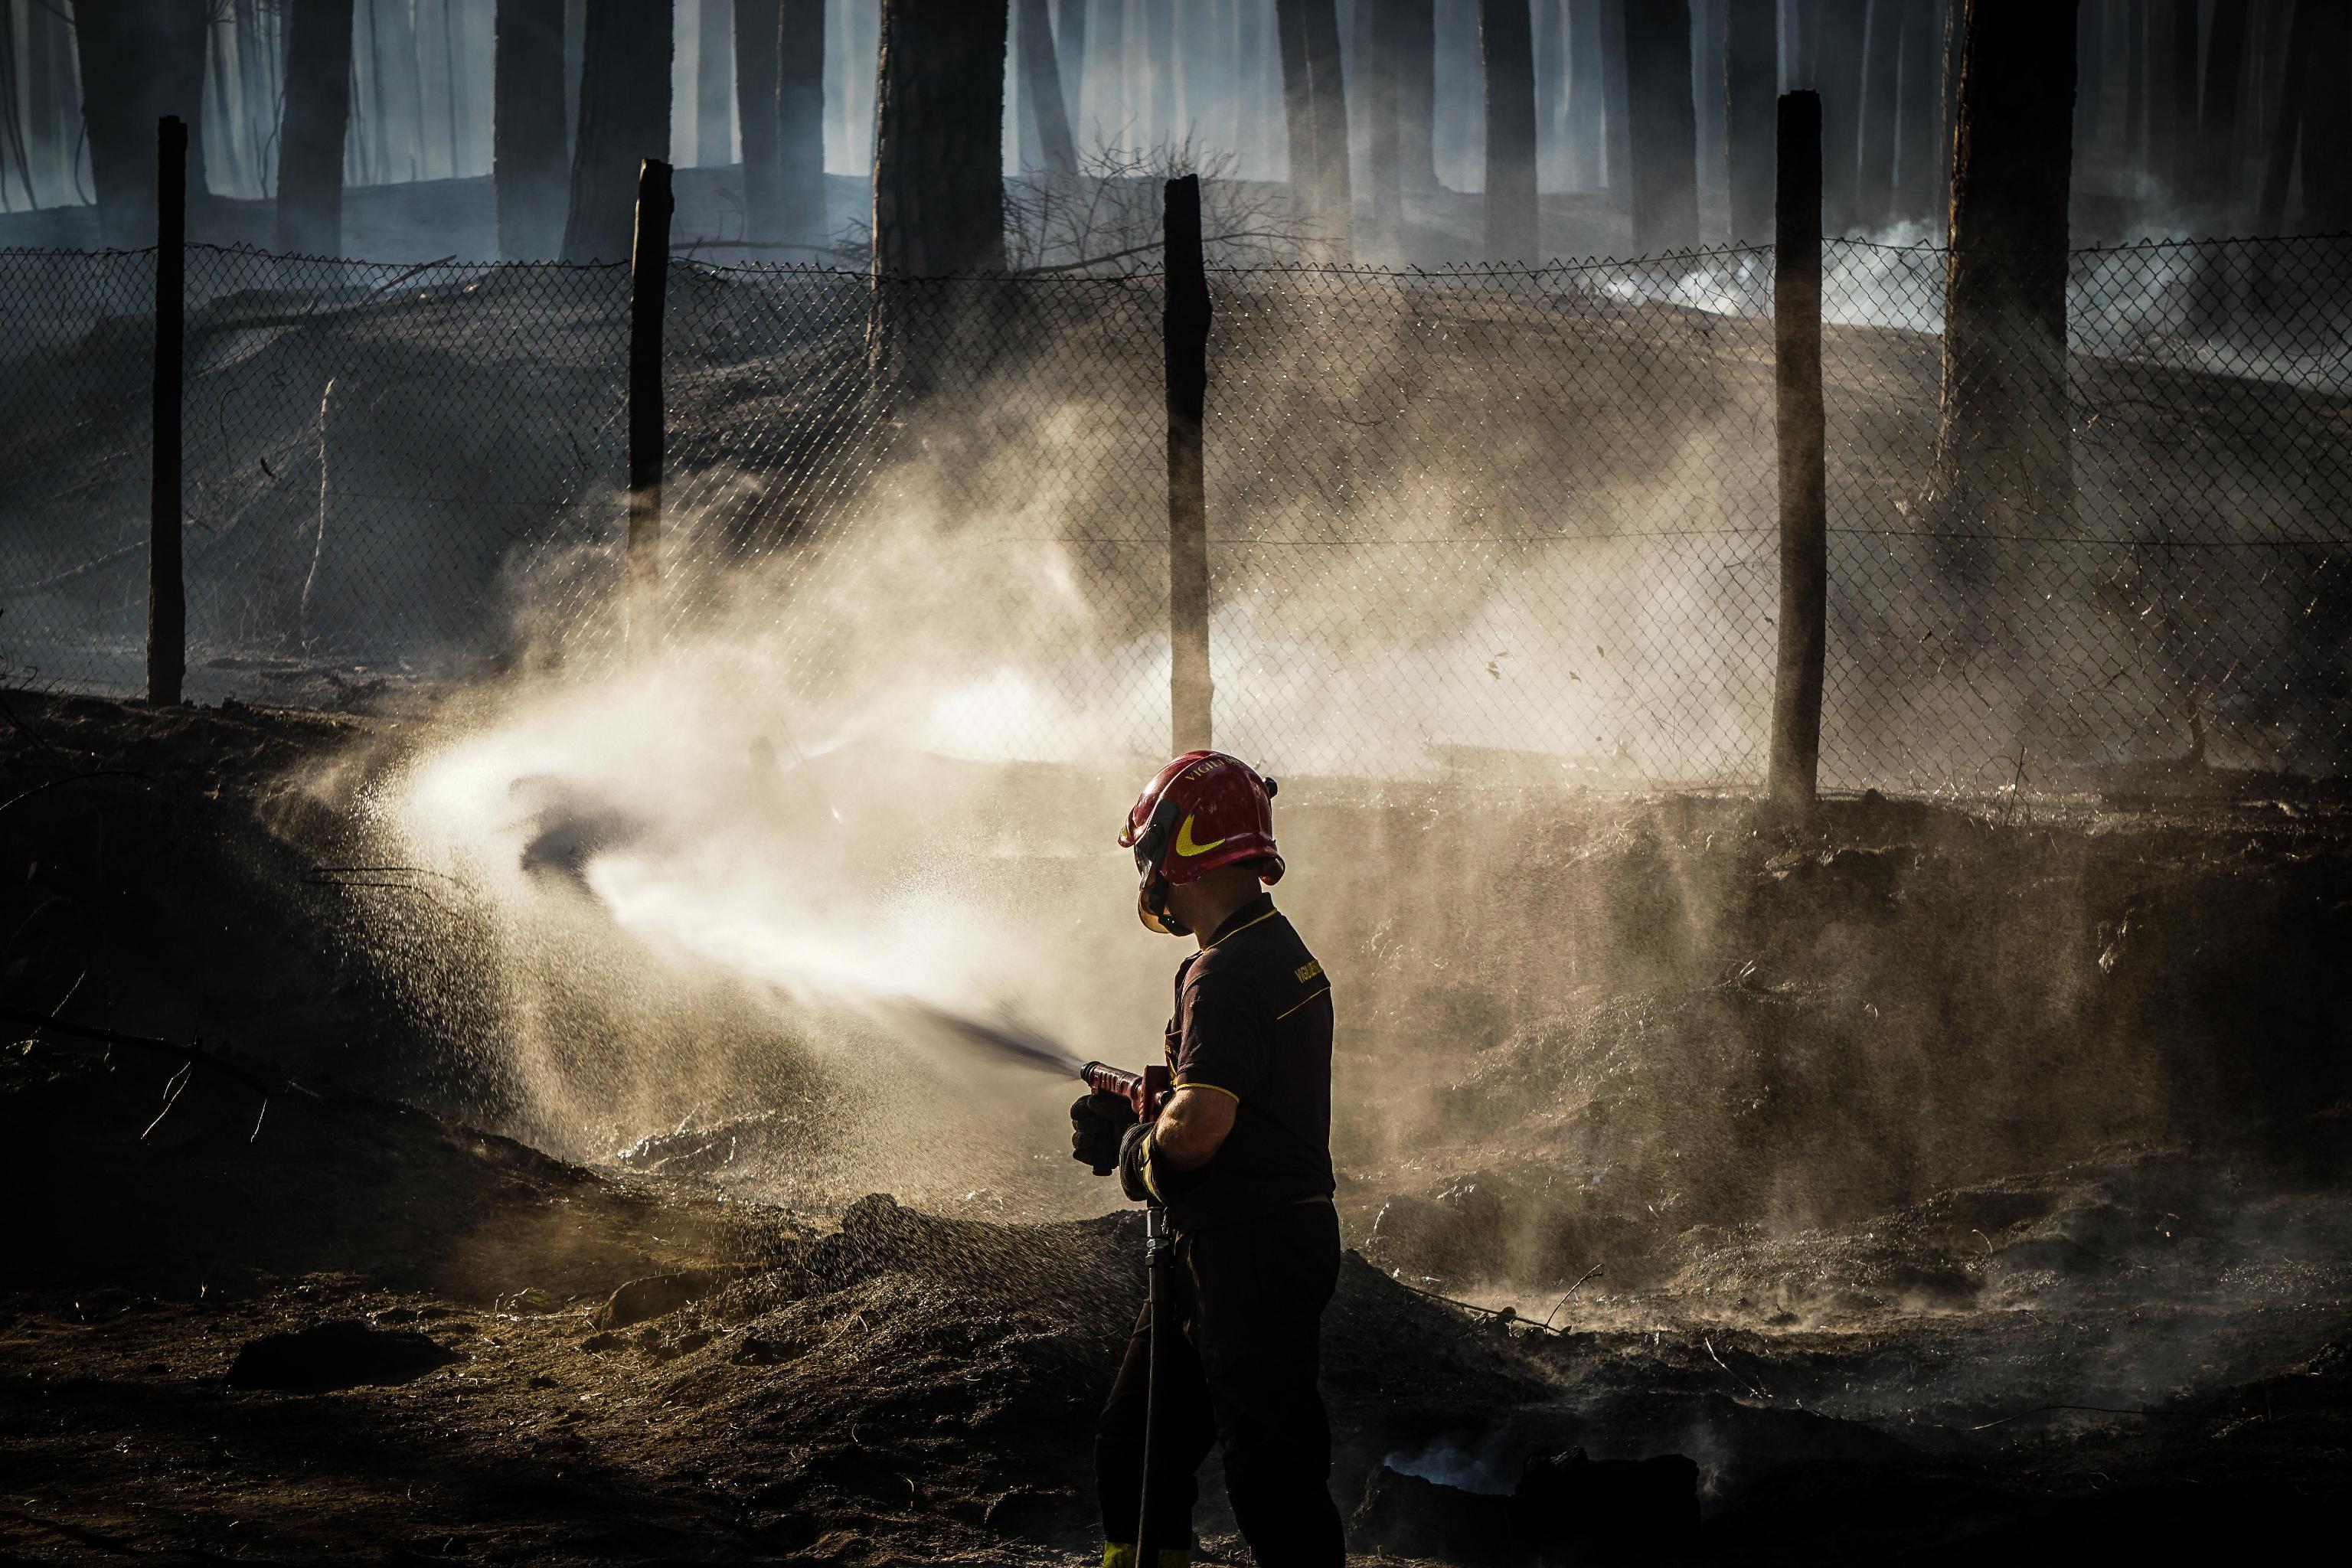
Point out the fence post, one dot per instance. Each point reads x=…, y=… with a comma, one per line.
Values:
x=1804, y=483
x=167, y=597
x=648, y=285
x=1184, y=335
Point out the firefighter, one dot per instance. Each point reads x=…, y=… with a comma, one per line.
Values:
x=1241, y=1157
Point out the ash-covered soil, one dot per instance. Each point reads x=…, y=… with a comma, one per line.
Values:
x=270, y=1308
x=508, y=1359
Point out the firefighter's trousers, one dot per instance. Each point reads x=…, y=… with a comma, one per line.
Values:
x=1249, y=1303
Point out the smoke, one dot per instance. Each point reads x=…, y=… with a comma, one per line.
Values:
x=1488, y=1462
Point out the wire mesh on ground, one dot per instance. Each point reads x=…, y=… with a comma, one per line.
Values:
x=1511, y=526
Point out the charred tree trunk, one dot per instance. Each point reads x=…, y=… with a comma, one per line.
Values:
x=2155, y=22
x=218, y=76
x=257, y=85
x=1378, y=87
x=1239, y=68
x=939, y=182
x=1665, y=131
x=454, y=83
x=318, y=109
x=938, y=142
x=2136, y=21
x=1751, y=78
x=2259, y=118
x=1327, y=98
x=714, y=85
x=1262, y=92
x=399, y=92
x=1835, y=32
x=1617, y=132
x=2090, y=81
x=1920, y=176
x=141, y=60
x=14, y=162
x=1882, y=86
x=527, y=134
x=2003, y=447
x=759, y=43
x=1507, y=59
x=1712, y=167
x=2287, y=121
x=1458, y=126
x=56, y=114
x=2209, y=193
x=2180, y=79
x=575, y=49
x=800, y=123
x=1414, y=60
x=1070, y=53
x=1297, y=110
x=625, y=79
x=1954, y=32
x=1040, y=89
x=2327, y=123
x=1315, y=111
x=1551, y=83
x=1586, y=115
x=1160, y=70
x=1110, y=81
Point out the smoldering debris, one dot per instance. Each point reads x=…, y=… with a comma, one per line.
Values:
x=1563, y=1506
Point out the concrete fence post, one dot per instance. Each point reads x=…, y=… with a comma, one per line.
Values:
x=1804, y=484
x=1184, y=332
x=167, y=596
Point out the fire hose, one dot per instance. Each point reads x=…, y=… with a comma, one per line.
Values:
x=1147, y=1092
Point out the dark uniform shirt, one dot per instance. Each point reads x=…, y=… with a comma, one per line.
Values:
x=1254, y=1021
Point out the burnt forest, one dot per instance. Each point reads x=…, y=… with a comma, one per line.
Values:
x=586, y=585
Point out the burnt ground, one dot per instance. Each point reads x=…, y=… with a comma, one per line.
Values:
x=506, y=1357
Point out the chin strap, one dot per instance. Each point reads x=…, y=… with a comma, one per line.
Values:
x=1152, y=908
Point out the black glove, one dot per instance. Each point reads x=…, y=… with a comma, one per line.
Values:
x=1134, y=1155
x=1096, y=1122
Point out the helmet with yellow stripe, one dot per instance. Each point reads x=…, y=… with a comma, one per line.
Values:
x=1203, y=811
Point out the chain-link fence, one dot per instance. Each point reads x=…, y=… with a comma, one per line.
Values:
x=2171, y=596
x=371, y=455
x=1511, y=525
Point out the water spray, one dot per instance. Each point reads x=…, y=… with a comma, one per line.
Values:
x=1146, y=1091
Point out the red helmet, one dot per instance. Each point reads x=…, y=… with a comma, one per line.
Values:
x=1201, y=811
